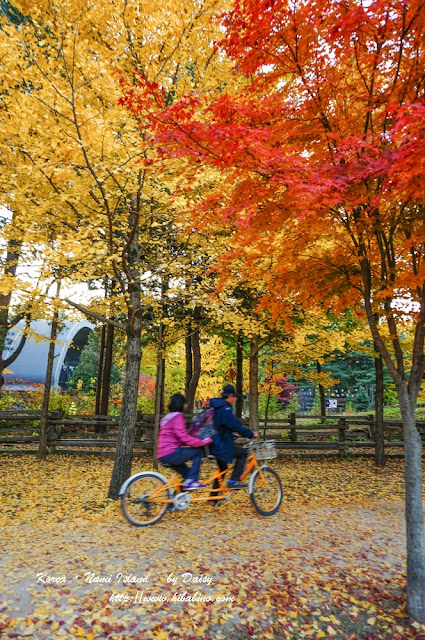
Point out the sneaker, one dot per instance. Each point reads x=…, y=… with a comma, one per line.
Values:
x=235, y=484
x=191, y=485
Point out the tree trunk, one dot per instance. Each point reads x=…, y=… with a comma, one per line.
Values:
x=407, y=397
x=162, y=400
x=379, y=411
x=106, y=386
x=188, y=351
x=107, y=367
x=99, y=376
x=5, y=362
x=158, y=394
x=239, y=376
x=128, y=418
x=321, y=393
x=253, y=383
x=12, y=258
x=266, y=412
x=414, y=509
x=42, y=442
x=196, y=361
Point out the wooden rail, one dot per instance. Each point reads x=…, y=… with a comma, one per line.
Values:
x=333, y=433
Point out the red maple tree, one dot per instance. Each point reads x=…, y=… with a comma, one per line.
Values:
x=323, y=159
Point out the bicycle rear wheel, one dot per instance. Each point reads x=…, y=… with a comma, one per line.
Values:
x=266, y=495
x=143, y=502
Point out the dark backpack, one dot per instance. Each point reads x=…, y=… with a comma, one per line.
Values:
x=203, y=424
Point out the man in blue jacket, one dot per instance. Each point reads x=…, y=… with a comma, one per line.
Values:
x=222, y=446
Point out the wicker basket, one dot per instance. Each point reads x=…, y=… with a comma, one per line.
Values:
x=263, y=450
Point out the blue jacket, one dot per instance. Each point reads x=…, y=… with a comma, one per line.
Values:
x=225, y=422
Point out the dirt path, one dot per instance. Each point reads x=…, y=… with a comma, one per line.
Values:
x=310, y=571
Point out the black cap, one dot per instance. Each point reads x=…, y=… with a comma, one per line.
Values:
x=229, y=390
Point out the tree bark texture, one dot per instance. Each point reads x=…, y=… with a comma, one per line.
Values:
x=379, y=411
x=253, y=383
x=128, y=418
x=266, y=411
x=125, y=439
x=100, y=375
x=106, y=382
x=321, y=392
x=162, y=399
x=188, y=352
x=158, y=394
x=239, y=376
x=414, y=509
x=42, y=442
x=196, y=360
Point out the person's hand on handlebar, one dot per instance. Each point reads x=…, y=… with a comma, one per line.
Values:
x=256, y=434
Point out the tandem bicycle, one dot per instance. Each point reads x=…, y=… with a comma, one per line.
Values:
x=147, y=496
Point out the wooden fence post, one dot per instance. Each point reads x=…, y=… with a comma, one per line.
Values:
x=342, y=423
x=371, y=425
x=139, y=430
x=53, y=431
x=293, y=424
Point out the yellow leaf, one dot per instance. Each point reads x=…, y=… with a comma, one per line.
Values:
x=371, y=621
x=29, y=631
x=331, y=631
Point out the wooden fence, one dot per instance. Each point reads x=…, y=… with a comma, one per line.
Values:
x=96, y=435
x=341, y=433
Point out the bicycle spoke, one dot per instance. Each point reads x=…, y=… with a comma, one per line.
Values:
x=266, y=492
x=143, y=502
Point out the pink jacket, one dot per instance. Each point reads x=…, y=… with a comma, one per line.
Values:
x=173, y=434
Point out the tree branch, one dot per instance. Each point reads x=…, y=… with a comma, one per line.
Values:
x=94, y=315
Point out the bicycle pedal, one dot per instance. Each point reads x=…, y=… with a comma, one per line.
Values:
x=217, y=503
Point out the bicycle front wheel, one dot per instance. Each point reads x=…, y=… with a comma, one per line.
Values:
x=143, y=502
x=265, y=492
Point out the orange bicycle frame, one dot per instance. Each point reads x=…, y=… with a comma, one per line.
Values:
x=221, y=492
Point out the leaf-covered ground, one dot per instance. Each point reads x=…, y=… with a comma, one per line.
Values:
x=329, y=565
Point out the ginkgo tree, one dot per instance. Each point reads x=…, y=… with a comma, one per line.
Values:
x=77, y=153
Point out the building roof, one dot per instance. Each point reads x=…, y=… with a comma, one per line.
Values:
x=31, y=364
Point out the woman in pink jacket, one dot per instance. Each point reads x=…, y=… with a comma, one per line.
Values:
x=172, y=436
